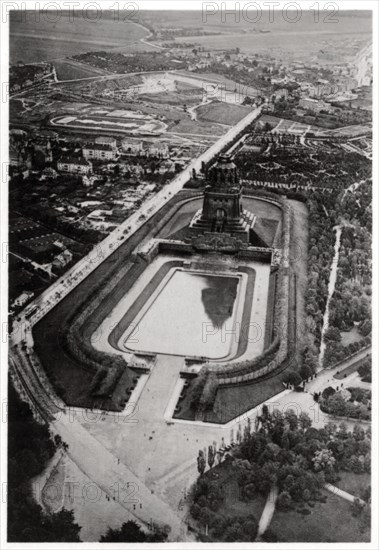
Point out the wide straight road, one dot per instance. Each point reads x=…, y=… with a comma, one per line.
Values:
x=74, y=276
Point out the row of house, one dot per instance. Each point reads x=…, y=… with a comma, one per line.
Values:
x=83, y=167
x=108, y=152
x=73, y=165
x=159, y=150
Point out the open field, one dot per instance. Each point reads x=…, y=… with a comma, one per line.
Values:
x=97, y=86
x=170, y=98
x=222, y=113
x=282, y=44
x=161, y=20
x=46, y=41
x=197, y=128
x=351, y=336
x=70, y=70
x=355, y=484
x=331, y=521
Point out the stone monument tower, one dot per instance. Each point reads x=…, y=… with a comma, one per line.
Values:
x=222, y=210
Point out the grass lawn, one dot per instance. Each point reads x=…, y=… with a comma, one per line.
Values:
x=232, y=401
x=346, y=372
x=269, y=329
x=186, y=412
x=262, y=209
x=98, y=86
x=171, y=98
x=298, y=261
x=223, y=113
x=66, y=37
x=266, y=229
x=354, y=484
x=350, y=369
x=331, y=521
x=181, y=219
x=67, y=70
x=198, y=127
x=351, y=336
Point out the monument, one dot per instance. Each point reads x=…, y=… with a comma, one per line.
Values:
x=222, y=210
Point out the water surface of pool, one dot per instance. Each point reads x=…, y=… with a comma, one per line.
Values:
x=190, y=314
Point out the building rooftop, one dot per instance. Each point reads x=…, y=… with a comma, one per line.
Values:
x=73, y=160
x=98, y=147
x=105, y=140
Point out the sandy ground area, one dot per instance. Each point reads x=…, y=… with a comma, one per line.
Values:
x=70, y=488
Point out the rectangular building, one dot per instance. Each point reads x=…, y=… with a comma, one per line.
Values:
x=99, y=151
x=74, y=166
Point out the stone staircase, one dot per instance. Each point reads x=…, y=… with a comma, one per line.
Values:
x=239, y=228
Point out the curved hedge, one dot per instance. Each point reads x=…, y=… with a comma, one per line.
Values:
x=76, y=339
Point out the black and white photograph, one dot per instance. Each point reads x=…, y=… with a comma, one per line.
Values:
x=189, y=274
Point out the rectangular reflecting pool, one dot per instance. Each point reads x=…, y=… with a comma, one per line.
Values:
x=190, y=313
